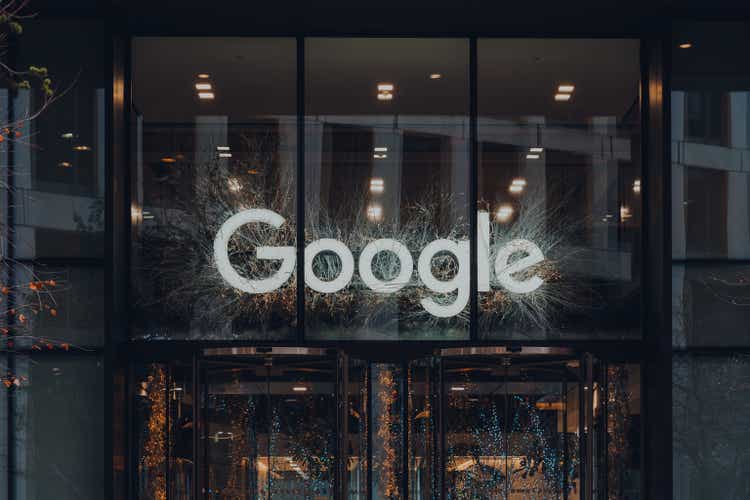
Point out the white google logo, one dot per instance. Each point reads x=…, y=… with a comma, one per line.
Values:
x=504, y=268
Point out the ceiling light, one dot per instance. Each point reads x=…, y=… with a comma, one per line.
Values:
x=380, y=149
x=377, y=185
x=203, y=75
x=385, y=96
x=562, y=97
x=458, y=388
x=374, y=212
x=225, y=155
x=637, y=186
x=168, y=159
x=625, y=213
x=65, y=164
x=685, y=45
x=435, y=76
x=205, y=95
x=504, y=213
x=385, y=87
x=81, y=147
x=536, y=150
x=222, y=148
x=299, y=388
x=202, y=86
x=67, y=135
x=519, y=181
x=379, y=156
x=515, y=189
x=566, y=88
x=532, y=156
x=147, y=217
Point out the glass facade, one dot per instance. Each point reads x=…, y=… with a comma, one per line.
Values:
x=427, y=253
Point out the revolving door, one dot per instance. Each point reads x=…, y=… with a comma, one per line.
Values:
x=459, y=423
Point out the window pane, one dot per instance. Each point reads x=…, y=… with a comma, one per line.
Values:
x=386, y=175
x=59, y=427
x=710, y=98
x=214, y=133
x=710, y=418
x=559, y=188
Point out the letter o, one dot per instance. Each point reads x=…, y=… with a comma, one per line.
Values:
x=347, y=265
x=385, y=245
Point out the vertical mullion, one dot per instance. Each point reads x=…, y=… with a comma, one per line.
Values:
x=473, y=183
x=197, y=426
x=300, y=208
x=565, y=438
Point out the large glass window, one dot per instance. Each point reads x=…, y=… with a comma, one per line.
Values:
x=214, y=135
x=710, y=186
x=386, y=184
x=559, y=201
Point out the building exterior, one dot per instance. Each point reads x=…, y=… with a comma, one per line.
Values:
x=419, y=250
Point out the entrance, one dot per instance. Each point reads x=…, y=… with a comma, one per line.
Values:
x=458, y=423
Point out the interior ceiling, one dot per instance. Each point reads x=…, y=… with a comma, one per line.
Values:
x=257, y=76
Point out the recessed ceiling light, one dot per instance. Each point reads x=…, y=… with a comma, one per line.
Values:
x=380, y=149
x=685, y=45
x=458, y=388
x=225, y=155
x=566, y=88
x=299, y=388
x=385, y=87
x=532, y=156
x=519, y=181
x=206, y=95
x=385, y=96
x=380, y=156
x=504, y=213
x=222, y=148
x=65, y=164
x=377, y=185
x=536, y=150
x=435, y=76
x=203, y=75
x=81, y=147
x=374, y=212
x=67, y=135
x=562, y=97
x=202, y=86
x=168, y=159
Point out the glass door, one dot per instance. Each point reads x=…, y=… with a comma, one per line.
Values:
x=269, y=427
x=512, y=427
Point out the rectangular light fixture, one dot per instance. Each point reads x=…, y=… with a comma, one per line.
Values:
x=519, y=181
x=385, y=96
x=222, y=148
x=380, y=149
x=515, y=188
x=562, y=97
x=385, y=87
x=532, y=156
x=380, y=156
x=374, y=212
x=203, y=86
x=536, y=150
x=299, y=388
x=566, y=88
x=377, y=185
x=458, y=388
x=225, y=155
x=206, y=95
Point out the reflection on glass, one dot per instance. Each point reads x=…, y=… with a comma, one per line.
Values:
x=623, y=420
x=196, y=163
x=357, y=439
x=270, y=429
x=511, y=429
x=710, y=186
x=559, y=167
x=711, y=409
x=424, y=479
x=386, y=165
